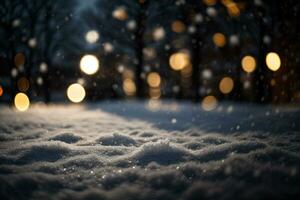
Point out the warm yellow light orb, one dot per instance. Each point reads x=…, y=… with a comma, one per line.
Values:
x=21, y=102
x=178, y=61
x=248, y=64
x=219, y=39
x=92, y=36
x=226, y=85
x=120, y=14
x=273, y=61
x=153, y=79
x=129, y=87
x=209, y=103
x=89, y=64
x=75, y=93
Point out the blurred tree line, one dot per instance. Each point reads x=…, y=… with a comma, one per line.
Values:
x=184, y=49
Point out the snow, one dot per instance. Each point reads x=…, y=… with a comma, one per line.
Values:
x=130, y=150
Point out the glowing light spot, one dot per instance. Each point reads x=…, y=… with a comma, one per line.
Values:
x=129, y=87
x=219, y=39
x=248, y=64
x=179, y=60
x=1, y=91
x=209, y=103
x=158, y=33
x=92, y=36
x=153, y=79
x=226, y=85
x=108, y=47
x=209, y=2
x=23, y=84
x=19, y=59
x=21, y=102
x=75, y=93
x=154, y=93
x=43, y=67
x=120, y=14
x=273, y=61
x=89, y=64
x=32, y=42
x=178, y=26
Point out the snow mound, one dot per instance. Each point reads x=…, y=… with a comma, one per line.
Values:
x=161, y=152
x=67, y=138
x=116, y=140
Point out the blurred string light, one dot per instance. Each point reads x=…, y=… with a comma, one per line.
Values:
x=232, y=8
x=92, y=36
x=178, y=26
x=158, y=33
x=120, y=13
x=32, y=42
x=19, y=59
x=43, y=67
x=75, y=93
x=209, y=2
x=209, y=103
x=153, y=79
x=179, y=60
x=273, y=61
x=226, y=85
x=108, y=47
x=129, y=87
x=248, y=64
x=1, y=91
x=155, y=93
x=21, y=102
x=89, y=64
x=23, y=84
x=219, y=39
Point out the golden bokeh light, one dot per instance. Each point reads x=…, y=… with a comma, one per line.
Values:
x=209, y=103
x=1, y=91
x=179, y=60
x=248, y=64
x=273, y=61
x=19, y=59
x=120, y=14
x=226, y=85
x=210, y=2
x=219, y=39
x=89, y=64
x=153, y=79
x=129, y=87
x=92, y=36
x=75, y=93
x=21, y=102
x=23, y=84
x=154, y=93
x=178, y=26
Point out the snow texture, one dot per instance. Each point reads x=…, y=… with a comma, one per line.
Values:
x=128, y=150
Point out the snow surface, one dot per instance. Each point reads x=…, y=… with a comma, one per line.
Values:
x=128, y=150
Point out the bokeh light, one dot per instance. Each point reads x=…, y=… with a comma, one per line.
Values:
x=209, y=103
x=219, y=39
x=21, y=102
x=23, y=84
x=154, y=93
x=226, y=85
x=178, y=26
x=120, y=14
x=89, y=64
x=179, y=60
x=153, y=79
x=158, y=33
x=92, y=36
x=273, y=61
x=129, y=87
x=75, y=93
x=248, y=64
x=1, y=91
x=19, y=59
